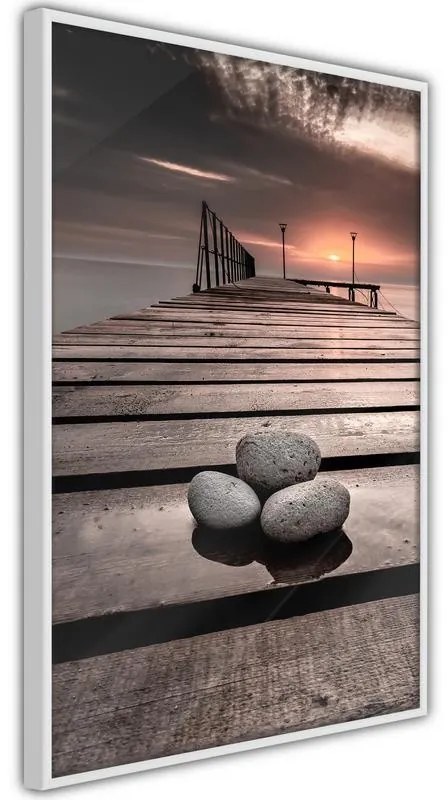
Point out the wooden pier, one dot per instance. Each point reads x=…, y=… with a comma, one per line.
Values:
x=166, y=641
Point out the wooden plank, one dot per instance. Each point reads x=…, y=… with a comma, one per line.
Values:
x=146, y=372
x=274, y=284
x=274, y=294
x=253, y=297
x=258, y=318
x=204, y=353
x=267, y=342
x=287, y=675
x=168, y=329
x=128, y=446
x=310, y=298
x=304, y=300
x=264, y=299
x=123, y=550
x=290, y=297
x=281, y=307
x=197, y=400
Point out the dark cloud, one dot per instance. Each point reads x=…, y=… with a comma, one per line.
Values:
x=143, y=132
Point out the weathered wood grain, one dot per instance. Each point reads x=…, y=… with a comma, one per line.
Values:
x=272, y=284
x=227, y=330
x=122, y=550
x=266, y=342
x=257, y=293
x=253, y=297
x=302, y=298
x=258, y=318
x=206, y=353
x=334, y=666
x=127, y=446
x=239, y=372
x=115, y=401
x=281, y=306
x=285, y=304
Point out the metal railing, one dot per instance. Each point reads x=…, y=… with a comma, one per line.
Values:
x=221, y=257
x=372, y=288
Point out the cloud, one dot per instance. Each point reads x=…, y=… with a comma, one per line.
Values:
x=389, y=139
x=60, y=92
x=259, y=176
x=325, y=109
x=248, y=238
x=70, y=121
x=193, y=172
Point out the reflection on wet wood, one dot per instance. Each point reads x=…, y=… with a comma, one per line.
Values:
x=126, y=549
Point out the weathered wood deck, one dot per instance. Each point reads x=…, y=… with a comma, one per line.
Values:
x=166, y=641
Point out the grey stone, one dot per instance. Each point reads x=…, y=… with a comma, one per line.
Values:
x=299, y=512
x=269, y=461
x=220, y=501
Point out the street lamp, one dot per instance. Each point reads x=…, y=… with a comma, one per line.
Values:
x=353, y=234
x=283, y=226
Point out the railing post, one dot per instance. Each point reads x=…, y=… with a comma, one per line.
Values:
x=206, y=247
x=197, y=284
x=215, y=249
x=229, y=279
x=231, y=258
x=221, y=238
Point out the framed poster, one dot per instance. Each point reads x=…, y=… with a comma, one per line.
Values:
x=225, y=398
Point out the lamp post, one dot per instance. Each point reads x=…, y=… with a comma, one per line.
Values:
x=353, y=234
x=283, y=226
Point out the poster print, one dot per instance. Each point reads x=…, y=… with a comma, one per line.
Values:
x=236, y=272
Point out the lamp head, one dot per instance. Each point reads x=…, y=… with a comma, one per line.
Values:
x=283, y=226
x=353, y=234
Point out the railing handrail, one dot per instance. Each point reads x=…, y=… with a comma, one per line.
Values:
x=342, y=284
x=231, y=261
x=373, y=288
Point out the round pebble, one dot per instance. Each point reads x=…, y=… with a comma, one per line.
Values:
x=220, y=501
x=299, y=512
x=269, y=461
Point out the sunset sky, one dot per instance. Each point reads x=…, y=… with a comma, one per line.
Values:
x=143, y=132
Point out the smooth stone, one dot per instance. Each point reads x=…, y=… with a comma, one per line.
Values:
x=299, y=512
x=221, y=501
x=269, y=461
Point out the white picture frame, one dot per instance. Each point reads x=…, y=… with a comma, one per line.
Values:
x=37, y=382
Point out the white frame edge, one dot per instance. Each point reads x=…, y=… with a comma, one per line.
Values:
x=37, y=400
x=37, y=391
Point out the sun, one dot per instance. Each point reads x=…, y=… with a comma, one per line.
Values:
x=334, y=257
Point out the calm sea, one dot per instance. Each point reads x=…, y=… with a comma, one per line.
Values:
x=87, y=291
